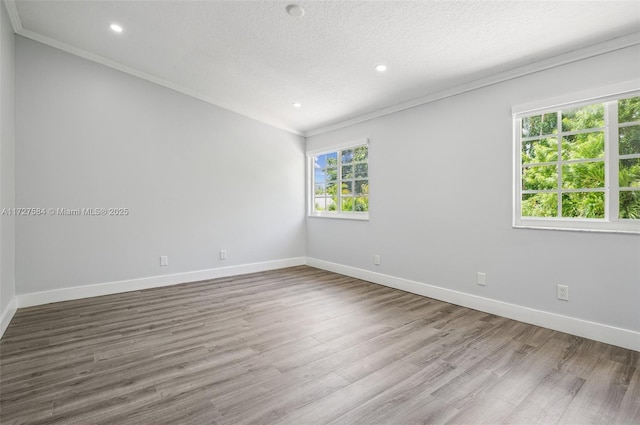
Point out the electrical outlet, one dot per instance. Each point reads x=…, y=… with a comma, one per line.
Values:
x=164, y=260
x=562, y=292
x=481, y=279
x=376, y=259
x=223, y=254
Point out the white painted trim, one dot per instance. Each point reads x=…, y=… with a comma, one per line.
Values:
x=562, y=59
x=608, y=95
x=593, y=95
x=553, y=62
x=621, y=227
x=597, y=331
x=12, y=10
x=78, y=292
x=7, y=315
x=20, y=30
x=364, y=141
x=358, y=216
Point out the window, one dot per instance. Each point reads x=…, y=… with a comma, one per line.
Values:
x=578, y=165
x=340, y=181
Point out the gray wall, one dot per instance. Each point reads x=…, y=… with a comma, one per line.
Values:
x=7, y=154
x=196, y=178
x=441, y=203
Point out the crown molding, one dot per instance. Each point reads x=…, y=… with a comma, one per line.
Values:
x=145, y=76
x=12, y=10
x=20, y=30
x=552, y=62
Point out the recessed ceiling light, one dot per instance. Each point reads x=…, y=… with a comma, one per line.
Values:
x=116, y=28
x=295, y=11
x=381, y=67
x=297, y=105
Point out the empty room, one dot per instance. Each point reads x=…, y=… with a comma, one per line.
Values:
x=319, y=212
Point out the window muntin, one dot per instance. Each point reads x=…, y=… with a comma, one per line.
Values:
x=629, y=158
x=340, y=182
x=579, y=166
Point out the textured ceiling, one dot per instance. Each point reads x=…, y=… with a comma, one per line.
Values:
x=253, y=58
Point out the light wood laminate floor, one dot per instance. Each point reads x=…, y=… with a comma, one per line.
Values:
x=301, y=346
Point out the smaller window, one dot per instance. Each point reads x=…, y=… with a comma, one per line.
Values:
x=340, y=182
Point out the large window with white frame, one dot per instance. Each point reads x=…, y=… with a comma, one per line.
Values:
x=339, y=181
x=578, y=165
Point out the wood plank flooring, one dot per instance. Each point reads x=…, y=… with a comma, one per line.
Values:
x=301, y=346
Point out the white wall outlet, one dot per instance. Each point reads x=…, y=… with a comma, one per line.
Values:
x=481, y=278
x=223, y=254
x=164, y=260
x=376, y=259
x=562, y=292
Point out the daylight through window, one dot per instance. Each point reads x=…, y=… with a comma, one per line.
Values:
x=340, y=182
x=579, y=166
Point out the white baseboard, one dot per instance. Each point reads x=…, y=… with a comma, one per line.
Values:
x=78, y=292
x=597, y=331
x=7, y=315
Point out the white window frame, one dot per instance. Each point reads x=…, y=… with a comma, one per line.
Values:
x=311, y=153
x=611, y=223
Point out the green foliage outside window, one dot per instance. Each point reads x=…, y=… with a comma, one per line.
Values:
x=346, y=181
x=579, y=163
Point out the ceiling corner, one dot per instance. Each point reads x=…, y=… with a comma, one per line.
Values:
x=13, y=15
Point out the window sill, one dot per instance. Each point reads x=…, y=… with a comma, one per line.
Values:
x=578, y=225
x=342, y=216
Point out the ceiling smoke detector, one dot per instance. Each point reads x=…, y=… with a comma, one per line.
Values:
x=295, y=11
